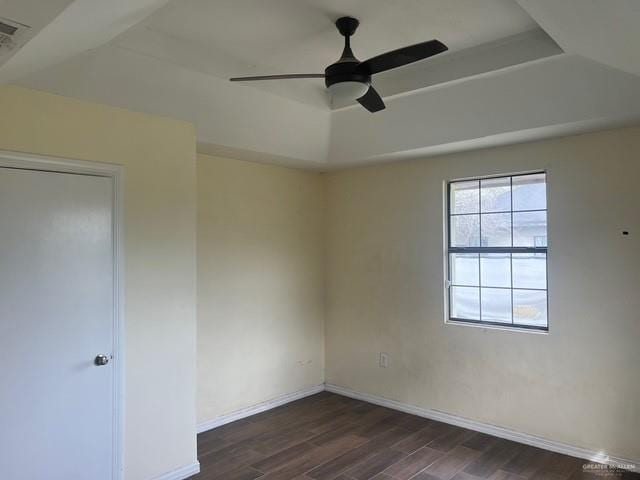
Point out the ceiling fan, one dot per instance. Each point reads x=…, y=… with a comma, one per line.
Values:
x=349, y=78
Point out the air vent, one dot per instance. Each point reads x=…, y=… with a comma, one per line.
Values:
x=8, y=29
x=12, y=35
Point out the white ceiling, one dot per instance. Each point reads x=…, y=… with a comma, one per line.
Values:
x=229, y=38
x=605, y=31
x=506, y=78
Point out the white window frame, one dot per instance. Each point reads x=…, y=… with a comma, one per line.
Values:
x=447, y=249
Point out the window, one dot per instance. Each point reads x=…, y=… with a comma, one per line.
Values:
x=497, y=251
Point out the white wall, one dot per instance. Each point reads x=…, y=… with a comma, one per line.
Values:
x=578, y=384
x=158, y=155
x=260, y=283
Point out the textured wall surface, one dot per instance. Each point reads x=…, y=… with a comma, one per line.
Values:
x=260, y=283
x=385, y=289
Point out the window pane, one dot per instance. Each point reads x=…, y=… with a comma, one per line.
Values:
x=530, y=307
x=530, y=270
x=465, y=197
x=465, y=303
x=495, y=194
x=529, y=229
x=529, y=192
x=495, y=269
x=499, y=215
x=496, y=230
x=465, y=269
x=496, y=305
x=465, y=231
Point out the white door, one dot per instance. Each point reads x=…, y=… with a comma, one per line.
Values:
x=56, y=316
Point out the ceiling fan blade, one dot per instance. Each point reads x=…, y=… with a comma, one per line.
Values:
x=402, y=56
x=277, y=77
x=372, y=101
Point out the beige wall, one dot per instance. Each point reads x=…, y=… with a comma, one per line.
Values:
x=158, y=155
x=265, y=237
x=579, y=384
x=260, y=283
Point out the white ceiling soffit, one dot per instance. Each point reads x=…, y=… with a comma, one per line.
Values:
x=543, y=97
x=81, y=26
x=604, y=30
x=548, y=97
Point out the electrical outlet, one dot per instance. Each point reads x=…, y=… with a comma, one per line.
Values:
x=384, y=360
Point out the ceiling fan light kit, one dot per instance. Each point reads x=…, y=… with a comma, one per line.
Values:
x=349, y=78
x=347, y=90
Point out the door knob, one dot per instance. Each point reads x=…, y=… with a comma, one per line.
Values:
x=101, y=360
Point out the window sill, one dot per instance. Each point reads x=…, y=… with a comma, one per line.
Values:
x=506, y=328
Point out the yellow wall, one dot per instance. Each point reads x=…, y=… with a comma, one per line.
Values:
x=158, y=155
x=580, y=383
x=260, y=283
x=270, y=239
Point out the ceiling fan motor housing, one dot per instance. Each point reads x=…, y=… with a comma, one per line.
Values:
x=345, y=69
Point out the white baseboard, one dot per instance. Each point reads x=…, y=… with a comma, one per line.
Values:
x=258, y=408
x=496, y=431
x=181, y=473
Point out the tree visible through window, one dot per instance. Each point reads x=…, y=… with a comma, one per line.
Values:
x=497, y=249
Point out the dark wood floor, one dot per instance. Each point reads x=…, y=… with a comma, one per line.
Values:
x=327, y=436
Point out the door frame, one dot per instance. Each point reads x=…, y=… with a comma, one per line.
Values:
x=115, y=173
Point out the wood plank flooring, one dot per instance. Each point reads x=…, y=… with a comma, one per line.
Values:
x=330, y=437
